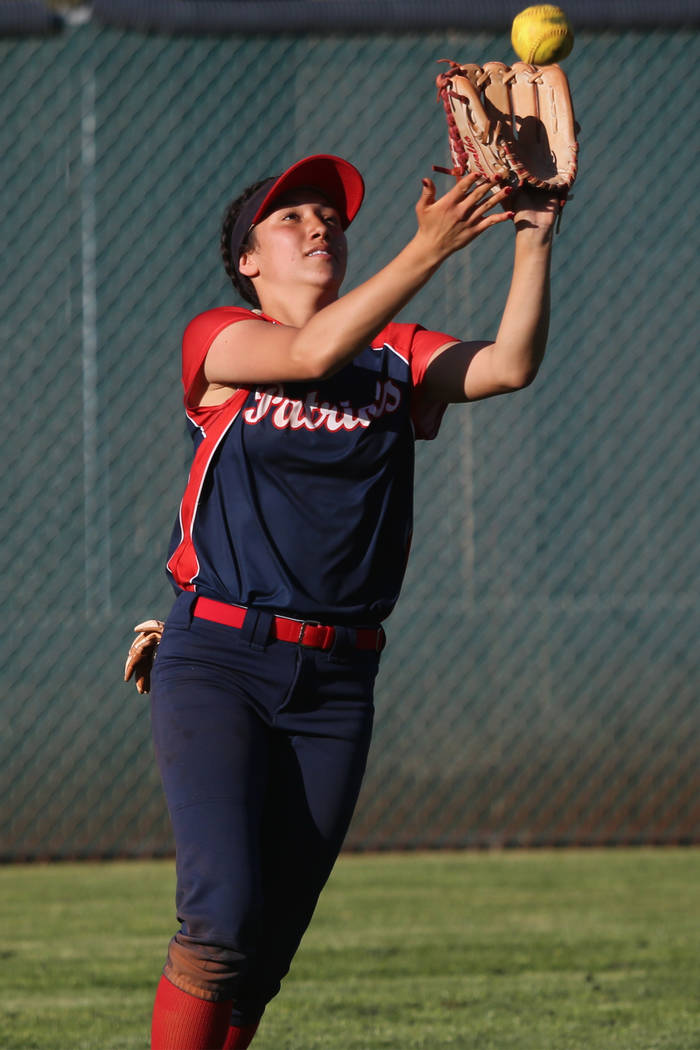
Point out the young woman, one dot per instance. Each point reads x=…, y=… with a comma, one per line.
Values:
x=289, y=552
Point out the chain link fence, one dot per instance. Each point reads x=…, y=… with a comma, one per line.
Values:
x=541, y=680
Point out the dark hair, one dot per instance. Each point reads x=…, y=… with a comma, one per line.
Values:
x=243, y=285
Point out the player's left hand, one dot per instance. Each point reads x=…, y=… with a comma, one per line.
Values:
x=142, y=652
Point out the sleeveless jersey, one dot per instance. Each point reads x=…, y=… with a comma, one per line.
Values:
x=300, y=495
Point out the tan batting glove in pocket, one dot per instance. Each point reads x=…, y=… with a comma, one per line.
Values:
x=142, y=652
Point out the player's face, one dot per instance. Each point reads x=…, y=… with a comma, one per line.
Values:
x=300, y=241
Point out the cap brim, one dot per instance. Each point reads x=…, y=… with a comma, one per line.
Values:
x=335, y=178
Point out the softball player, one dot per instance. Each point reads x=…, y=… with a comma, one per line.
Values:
x=288, y=554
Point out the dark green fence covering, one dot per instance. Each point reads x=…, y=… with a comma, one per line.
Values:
x=541, y=680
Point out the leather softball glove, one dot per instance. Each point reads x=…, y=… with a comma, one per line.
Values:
x=513, y=122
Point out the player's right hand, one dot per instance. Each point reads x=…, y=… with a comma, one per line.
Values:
x=450, y=222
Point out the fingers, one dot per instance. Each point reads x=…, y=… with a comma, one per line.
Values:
x=449, y=222
x=473, y=181
x=481, y=198
x=471, y=187
x=139, y=665
x=150, y=625
x=427, y=198
x=475, y=185
x=478, y=194
x=491, y=190
x=141, y=655
x=145, y=641
x=465, y=185
x=134, y=661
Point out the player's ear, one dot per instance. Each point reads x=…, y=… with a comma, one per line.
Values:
x=247, y=264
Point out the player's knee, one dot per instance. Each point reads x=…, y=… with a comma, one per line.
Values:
x=209, y=971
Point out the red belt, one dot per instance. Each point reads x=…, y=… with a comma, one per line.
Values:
x=302, y=632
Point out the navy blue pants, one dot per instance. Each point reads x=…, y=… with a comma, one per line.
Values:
x=261, y=748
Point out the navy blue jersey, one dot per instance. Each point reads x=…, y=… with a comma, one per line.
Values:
x=300, y=495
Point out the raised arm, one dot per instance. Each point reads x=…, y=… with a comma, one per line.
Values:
x=468, y=371
x=252, y=352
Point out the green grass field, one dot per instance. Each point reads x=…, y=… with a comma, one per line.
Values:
x=571, y=950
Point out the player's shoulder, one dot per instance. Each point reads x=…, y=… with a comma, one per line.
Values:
x=199, y=335
x=398, y=337
x=413, y=345
x=399, y=332
x=211, y=322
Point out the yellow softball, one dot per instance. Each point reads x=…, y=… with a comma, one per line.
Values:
x=542, y=34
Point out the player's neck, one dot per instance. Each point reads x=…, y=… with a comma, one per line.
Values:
x=295, y=310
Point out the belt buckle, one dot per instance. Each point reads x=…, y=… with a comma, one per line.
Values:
x=327, y=641
x=302, y=630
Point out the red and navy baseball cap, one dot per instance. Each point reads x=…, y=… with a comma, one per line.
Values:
x=335, y=178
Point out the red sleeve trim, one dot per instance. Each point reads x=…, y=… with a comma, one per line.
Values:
x=418, y=345
x=200, y=334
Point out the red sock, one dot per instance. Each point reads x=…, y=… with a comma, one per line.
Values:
x=240, y=1038
x=184, y=1022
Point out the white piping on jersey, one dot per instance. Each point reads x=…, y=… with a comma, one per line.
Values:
x=388, y=346
x=196, y=425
